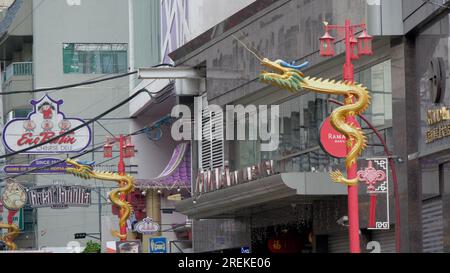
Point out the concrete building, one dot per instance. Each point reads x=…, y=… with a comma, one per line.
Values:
x=46, y=44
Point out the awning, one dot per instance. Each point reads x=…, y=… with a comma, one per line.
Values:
x=276, y=190
x=176, y=174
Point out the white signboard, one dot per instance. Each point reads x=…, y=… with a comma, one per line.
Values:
x=45, y=122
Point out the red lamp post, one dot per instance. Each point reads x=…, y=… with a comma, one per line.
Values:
x=354, y=48
x=126, y=150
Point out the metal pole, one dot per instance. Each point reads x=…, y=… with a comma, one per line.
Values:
x=121, y=169
x=100, y=213
x=353, y=210
x=394, y=178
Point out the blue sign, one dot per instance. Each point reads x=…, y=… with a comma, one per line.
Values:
x=158, y=245
x=245, y=250
x=58, y=166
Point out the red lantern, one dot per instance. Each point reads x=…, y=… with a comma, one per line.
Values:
x=129, y=150
x=354, y=48
x=327, y=45
x=107, y=150
x=365, y=44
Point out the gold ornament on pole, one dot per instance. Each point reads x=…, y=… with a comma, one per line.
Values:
x=287, y=76
x=8, y=238
x=126, y=185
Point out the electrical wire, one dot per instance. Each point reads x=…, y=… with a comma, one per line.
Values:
x=140, y=131
x=90, y=82
x=152, y=95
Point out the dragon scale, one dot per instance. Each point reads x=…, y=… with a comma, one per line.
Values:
x=357, y=100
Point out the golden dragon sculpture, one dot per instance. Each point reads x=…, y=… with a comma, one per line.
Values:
x=8, y=238
x=357, y=99
x=126, y=185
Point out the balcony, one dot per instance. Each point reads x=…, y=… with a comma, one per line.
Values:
x=17, y=70
x=17, y=77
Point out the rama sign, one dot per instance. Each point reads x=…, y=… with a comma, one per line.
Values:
x=45, y=122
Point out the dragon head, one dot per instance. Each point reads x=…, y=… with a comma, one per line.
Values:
x=283, y=75
x=80, y=169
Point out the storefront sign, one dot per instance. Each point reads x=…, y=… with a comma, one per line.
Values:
x=59, y=168
x=44, y=123
x=220, y=178
x=158, y=245
x=437, y=117
x=58, y=196
x=147, y=226
x=40, y=167
x=332, y=142
x=14, y=196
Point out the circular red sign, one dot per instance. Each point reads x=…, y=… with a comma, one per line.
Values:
x=332, y=142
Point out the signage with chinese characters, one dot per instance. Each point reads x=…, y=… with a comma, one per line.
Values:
x=332, y=142
x=220, y=178
x=59, y=196
x=147, y=226
x=158, y=245
x=46, y=122
x=14, y=196
x=376, y=177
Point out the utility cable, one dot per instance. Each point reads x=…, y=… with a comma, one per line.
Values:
x=76, y=84
x=152, y=95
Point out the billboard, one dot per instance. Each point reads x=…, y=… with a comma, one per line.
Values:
x=45, y=122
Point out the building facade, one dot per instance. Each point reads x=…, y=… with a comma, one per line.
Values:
x=296, y=202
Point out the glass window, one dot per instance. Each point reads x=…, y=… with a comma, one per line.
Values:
x=378, y=80
x=17, y=113
x=95, y=58
x=301, y=118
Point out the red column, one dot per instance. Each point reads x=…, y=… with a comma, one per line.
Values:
x=353, y=211
x=121, y=169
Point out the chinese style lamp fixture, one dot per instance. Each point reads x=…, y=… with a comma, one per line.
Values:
x=365, y=44
x=129, y=148
x=327, y=43
x=107, y=150
x=354, y=48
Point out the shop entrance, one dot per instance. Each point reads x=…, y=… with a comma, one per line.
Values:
x=286, y=238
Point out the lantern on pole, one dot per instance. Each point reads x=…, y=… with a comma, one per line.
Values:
x=129, y=148
x=354, y=48
x=365, y=44
x=327, y=43
x=107, y=150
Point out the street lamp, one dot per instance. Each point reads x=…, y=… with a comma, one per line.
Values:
x=365, y=44
x=354, y=48
x=126, y=150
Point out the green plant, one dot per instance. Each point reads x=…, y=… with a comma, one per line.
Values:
x=92, y=247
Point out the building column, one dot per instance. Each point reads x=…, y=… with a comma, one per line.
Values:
x=405, y=112
x=153, y=210
x=444, y=176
